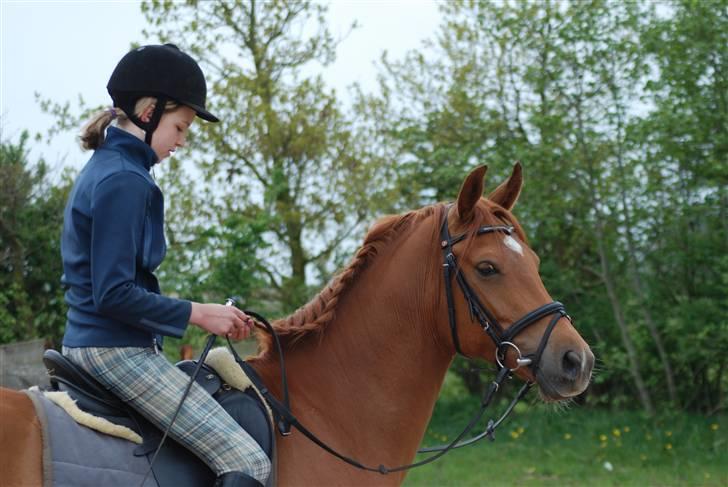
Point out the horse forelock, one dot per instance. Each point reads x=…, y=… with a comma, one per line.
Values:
x=313, y=317
x=488, y=213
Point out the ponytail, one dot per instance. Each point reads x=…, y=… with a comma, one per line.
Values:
x=94, y=132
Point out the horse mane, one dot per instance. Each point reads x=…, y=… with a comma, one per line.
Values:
x=313, y=317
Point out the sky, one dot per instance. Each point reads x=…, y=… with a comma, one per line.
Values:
x=63, y=48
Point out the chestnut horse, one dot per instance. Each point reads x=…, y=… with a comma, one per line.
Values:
x=367, y=356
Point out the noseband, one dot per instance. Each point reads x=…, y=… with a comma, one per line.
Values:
x=503, y=338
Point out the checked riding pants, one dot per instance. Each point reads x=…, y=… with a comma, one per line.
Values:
x=154, y=387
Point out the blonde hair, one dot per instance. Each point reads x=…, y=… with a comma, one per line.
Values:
x=94, y=132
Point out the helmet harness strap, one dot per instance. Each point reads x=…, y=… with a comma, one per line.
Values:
x=154, y=121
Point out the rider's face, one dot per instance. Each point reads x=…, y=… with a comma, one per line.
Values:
x=172, y=131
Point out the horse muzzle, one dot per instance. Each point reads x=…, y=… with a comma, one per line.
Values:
x=564, y=372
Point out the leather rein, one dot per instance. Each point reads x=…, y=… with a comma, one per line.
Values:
x=501, y=337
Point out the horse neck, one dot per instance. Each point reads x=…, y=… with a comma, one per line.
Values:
x=373, y=376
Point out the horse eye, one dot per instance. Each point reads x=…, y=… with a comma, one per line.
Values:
x=486, y=269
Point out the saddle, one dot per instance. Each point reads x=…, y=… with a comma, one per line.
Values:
x=175, y=465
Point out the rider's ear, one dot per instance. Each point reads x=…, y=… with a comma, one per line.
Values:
x=507, y=193
x=470, y=193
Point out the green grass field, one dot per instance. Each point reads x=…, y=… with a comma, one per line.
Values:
x=548, y=445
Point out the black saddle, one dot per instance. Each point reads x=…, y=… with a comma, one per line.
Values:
x=175, y=465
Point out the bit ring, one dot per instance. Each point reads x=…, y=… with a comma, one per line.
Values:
x=500, y=356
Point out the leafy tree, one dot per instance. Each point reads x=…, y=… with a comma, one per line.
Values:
x=686, y=136
x=31, y=213
x=284, y=158
x=556, y=85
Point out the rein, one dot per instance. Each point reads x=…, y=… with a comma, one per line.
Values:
x=286, y=419
x=500, y=337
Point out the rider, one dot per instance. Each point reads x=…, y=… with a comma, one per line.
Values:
x=113, y=240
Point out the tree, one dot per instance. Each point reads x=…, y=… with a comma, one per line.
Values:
x=548, y=83
x=686, y=136
x=284, y=156
x=31, y=215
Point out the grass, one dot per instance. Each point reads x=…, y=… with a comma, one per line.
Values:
x=549, y=445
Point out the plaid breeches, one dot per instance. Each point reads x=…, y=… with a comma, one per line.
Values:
x=154, y=387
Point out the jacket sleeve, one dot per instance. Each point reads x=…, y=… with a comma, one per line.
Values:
x=118, y=210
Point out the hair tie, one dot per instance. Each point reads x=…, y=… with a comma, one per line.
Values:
x=112, y=111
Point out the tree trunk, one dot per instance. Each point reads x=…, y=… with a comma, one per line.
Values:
x=637, y=282
x=606, y=276
x=619, y=318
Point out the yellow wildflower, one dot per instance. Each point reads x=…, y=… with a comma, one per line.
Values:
x=668, y=433
x=603, y=437
x=514, y=434
x=668, y=446
x=616, y=432
x=626, y=429
x=521, y=429
x=714, y=427
x=567, y=436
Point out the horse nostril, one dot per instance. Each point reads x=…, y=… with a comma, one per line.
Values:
x=571, y=364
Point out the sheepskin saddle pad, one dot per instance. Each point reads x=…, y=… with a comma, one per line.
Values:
x=114, y=444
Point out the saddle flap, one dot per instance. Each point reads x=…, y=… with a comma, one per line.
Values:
x=207, y=377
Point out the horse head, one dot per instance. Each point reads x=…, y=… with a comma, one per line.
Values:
x=496, y=284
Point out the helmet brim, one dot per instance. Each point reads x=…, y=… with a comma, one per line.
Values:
x=202, y=113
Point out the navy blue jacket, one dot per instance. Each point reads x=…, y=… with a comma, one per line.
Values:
x=112, y=241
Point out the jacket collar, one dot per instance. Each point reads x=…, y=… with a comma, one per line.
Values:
x=134, y=149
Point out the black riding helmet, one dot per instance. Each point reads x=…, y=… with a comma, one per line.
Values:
x=161, y=71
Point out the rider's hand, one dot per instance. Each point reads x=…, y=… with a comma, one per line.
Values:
x=221, y=320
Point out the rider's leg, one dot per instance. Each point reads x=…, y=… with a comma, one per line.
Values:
x=154, y=387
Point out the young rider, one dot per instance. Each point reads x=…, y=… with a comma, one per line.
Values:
x=112, y=242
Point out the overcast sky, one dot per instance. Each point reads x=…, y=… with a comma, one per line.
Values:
x=63, y=48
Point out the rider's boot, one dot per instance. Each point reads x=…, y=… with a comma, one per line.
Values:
x=236, y=479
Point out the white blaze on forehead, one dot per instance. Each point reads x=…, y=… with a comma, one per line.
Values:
x=512, y=244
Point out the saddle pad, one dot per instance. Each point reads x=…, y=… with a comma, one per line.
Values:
x=95, y=459
x=102, y=425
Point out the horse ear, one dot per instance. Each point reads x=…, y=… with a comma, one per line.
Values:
x=507, y=193
x=470, y=193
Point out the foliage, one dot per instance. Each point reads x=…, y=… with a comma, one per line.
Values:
x=617, y=110
x=31, y=211
x=283, y=158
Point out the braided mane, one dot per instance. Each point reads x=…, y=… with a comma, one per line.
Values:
x=313, y=317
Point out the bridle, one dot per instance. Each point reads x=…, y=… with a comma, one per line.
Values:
x=501, y=337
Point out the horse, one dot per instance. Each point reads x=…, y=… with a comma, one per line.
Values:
x=367, y=356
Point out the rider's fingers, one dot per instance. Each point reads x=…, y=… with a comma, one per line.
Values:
x=239, y=313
